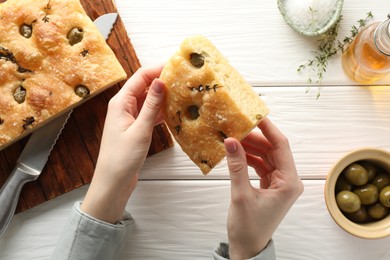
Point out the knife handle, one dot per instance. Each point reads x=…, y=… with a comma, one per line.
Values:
x=9, y=195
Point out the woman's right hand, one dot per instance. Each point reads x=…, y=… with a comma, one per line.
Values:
x=255, y=213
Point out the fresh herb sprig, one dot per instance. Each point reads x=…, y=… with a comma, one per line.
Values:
x=327, y=48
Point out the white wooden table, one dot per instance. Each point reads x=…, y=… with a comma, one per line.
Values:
x=181, y=214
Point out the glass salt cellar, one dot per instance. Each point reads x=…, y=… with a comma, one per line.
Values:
x=367, y=59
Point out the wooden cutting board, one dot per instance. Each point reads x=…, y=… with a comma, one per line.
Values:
x=72, y=161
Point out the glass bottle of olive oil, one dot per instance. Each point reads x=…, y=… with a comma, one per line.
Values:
x=367, y=59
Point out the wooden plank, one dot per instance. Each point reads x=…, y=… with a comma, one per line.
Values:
x=186, y=219
x=73, y=158
x=252, y=35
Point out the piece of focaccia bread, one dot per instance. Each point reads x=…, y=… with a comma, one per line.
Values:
x=52, y=58
x=207, y=100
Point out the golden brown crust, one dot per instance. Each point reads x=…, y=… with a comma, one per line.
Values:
x=207, y=102
x=45, y=65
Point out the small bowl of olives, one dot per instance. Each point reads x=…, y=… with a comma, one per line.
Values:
x=357, y=193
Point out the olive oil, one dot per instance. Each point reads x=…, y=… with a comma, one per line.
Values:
x=367, y=59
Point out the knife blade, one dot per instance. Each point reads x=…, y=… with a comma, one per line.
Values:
x=28, y=167
x=105, y=23
x=37, y=150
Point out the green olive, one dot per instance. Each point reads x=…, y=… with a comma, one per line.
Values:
x=356, y=174
x=82, y=91
x=20, y=94
x=193, y=112
x=75, y=36
x=377, y=211
x=381, y=180
x=367, y=193
x=343, y=184
x=348, y=201
x=384, y=196
x=359, y=216
x=370, y=167
x=197, y=60
x=25, y=30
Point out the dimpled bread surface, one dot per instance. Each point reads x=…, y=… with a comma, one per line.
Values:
x=44, y=70
x=207, y=100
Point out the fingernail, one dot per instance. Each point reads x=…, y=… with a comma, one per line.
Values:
x=158, y=87
x=230, y=146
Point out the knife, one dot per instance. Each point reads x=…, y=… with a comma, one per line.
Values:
x=37, y=150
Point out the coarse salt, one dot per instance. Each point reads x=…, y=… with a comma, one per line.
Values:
x=310, y=15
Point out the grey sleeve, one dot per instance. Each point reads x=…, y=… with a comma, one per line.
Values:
x=85, y=237
x=268, y=253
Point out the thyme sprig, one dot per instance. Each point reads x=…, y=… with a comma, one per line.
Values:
x=329, y=46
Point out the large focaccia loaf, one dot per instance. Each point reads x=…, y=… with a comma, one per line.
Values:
x=52, y=58
x=207, y=100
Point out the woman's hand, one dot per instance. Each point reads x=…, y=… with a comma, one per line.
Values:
x=132, y=114
x=255, y=213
